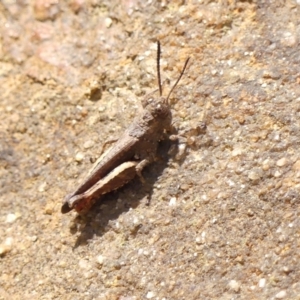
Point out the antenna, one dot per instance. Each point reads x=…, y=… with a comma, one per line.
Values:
x=158, y=68
x=172, y=89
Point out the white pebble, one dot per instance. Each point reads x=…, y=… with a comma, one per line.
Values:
x=8, y=241
x=236, y=152
x=281, y=162
x=280, y=295
x=100, y=259
x=262, y=282
x=42, y=187
x=277, y=174
x=234, y=285
x=10, y=218
x=150, y=295
x=6, y=246
x=79, y=157
x=172, y=201
x=108, y=22
x=88, y=144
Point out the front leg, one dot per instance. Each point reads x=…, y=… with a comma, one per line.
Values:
x=187, y=137
x=140, y=166
x=145, y=156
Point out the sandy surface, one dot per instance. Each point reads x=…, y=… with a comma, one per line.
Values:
x=223, y=222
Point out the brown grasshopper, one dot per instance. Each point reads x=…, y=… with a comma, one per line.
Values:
x=134, y=150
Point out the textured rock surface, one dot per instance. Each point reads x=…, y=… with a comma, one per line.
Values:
x=223, y=222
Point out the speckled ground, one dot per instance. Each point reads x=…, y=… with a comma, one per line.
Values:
x=223, y=221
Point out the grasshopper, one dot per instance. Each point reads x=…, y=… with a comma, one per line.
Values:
x=134, y=150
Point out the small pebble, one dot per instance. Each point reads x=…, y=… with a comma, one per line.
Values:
x=48, y=210
x=88, y=144
x=33, y=238
x=101, y=108
x=262, y=283
x=10, y=218
x=286, y=269
x=198, y=240
x=100, y=259
x=281, y=162
x=108, y=22
x=254, y=175
x=42, y=187
x=236, y=152
x=234, y=285
x=277, y=174
x=184, y=187
x=280, y=295
x=181, y=151
x=266, y=165
x=79, y=157
x=273, y=74
x=150, y=295
x=6, y=246
x=172, y=201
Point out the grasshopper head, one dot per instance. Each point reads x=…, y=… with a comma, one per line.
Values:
x=159, y=108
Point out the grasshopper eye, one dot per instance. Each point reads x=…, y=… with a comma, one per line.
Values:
x=146, y=101
x=159, y=108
